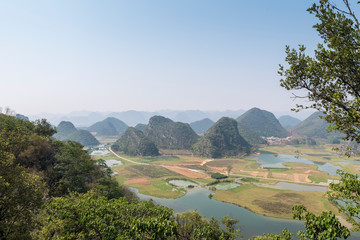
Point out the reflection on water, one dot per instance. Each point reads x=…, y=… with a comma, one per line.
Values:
x=270, y=160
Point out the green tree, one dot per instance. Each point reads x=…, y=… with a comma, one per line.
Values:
x=192, y=226
x=44, y=128
x=284, y=235
x=21, y=193
x=331, y=80
x=348, y=191
x=323, y=227
x=331, y=76
x=90, y=216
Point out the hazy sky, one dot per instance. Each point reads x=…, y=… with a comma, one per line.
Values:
x=61, y=56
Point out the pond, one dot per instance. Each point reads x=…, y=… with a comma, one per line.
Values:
x=271, y=160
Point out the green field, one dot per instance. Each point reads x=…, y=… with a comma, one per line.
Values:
x=274, y=202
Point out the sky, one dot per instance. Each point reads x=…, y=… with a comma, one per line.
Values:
x=148, y=55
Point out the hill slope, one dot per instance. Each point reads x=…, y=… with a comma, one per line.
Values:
x=250, y=136
x=108, y=127
x=222, y=140
x=133, y=142
x=262, y=122
x=314, y=127
x=141, y=127
x=67, y=131
x=201, y=126
x=288, y=121
x=168, y=134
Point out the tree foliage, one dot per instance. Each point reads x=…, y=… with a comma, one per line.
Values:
x=331, y=76
x=34, y=168
x=348, y=192
x=89, y=216
x=323, y=227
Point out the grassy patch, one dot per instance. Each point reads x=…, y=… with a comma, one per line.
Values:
x=120, y=180
x=159, y=188
x=249, y=179
x=270, y=169
x=150, y=171
x=274, y=202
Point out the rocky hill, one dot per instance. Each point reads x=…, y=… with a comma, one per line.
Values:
x=222, y=140
x=67, y=131
x=168, y=134
x=201, y=126
x=263, y=123
x=133, y=142
x=108, y=127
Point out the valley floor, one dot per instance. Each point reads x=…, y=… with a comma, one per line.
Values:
x=268, y=183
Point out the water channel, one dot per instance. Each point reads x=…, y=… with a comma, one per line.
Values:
x=251, y=224
x=271, y=160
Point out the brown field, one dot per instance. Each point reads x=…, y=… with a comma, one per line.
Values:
x=187, y=172
x=141, y=181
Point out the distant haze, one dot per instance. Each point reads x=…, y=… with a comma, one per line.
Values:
x=131, y=118
x=118, y=55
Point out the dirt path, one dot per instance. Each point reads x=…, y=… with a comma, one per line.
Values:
x=125, y=159
x=206, y=161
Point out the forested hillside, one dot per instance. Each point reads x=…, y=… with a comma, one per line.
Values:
x=201, y=126
x=67, y=131
x=134, y=143
x=222, y=140
x=109, y=127
x=288, y=121
x=262, y=122
x=314, y=127
x=168, y=134
x=249, y=135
